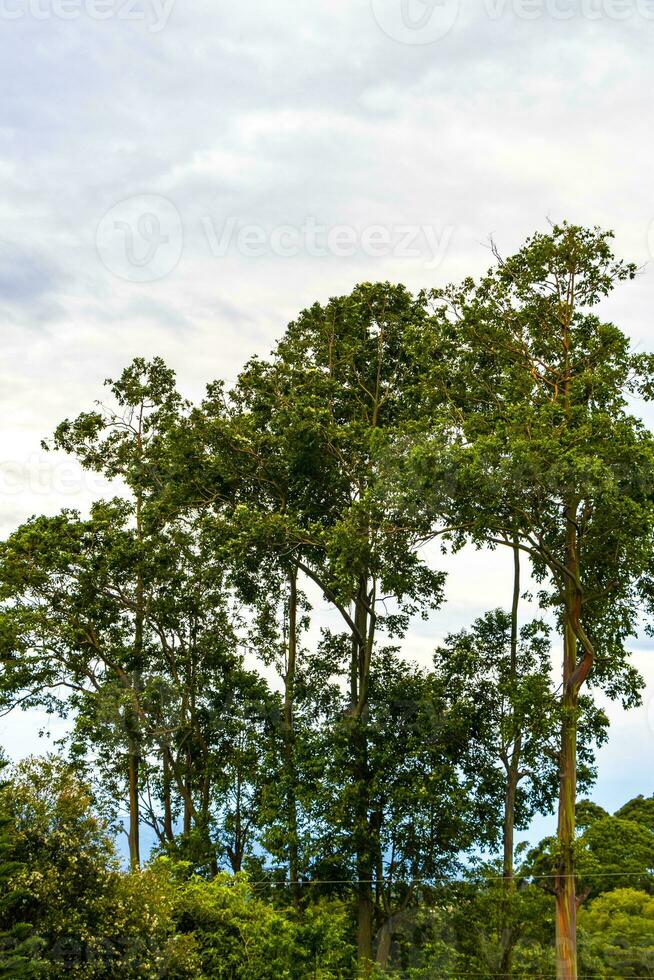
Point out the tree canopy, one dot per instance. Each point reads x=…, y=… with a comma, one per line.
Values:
x=231, y=635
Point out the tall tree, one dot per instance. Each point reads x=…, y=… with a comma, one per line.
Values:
x=544, y=452
x=291, y=459
x=499, y=685
x=320, y=412
x=69, y=597
x=124, y=440
x=423, y=812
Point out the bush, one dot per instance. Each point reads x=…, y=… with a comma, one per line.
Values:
x=617, y=935
x=238, y=935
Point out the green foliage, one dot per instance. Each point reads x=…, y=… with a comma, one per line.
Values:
x=95, y=921
x=238, y=935
x=174, y=626
x=92, y=920
x=640, y=810
x=19, y=945
x=617, y=932
x=507, y=708
x=539, y=428
x=615, y=853
x=313, y=427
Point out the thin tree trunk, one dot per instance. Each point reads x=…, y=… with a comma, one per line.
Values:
x=385, y=936
x=289, y=739
x=388, y=918
x=167, y=803
x=390, y=926
x=364, y=845
x=179, y=774
x=235, y=853
x=133, y=766
x=188, y=783
x=134, y=759
x=566, y=900
x=507, y=939
x=134, y=734
x=509, y=828
x=134, y=815
x=515, y=605
x=365, y=862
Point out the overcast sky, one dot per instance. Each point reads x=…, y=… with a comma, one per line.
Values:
x=180, y=179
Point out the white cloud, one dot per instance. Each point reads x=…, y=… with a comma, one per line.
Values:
x=271, y=114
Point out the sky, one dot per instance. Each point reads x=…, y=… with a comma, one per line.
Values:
x=181, y=177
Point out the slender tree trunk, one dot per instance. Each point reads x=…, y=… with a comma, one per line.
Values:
x=515, y=605
x=133, y=781
x=383, y=913
x=181, y=782
x=235, y=853
x=133, y=766
x=167, y=802
x=566, y=899
x=133, y=763
x=134, y=733
x=509, y=828
x=289, y=739
x=188, y=783
x=364, y=846
x=566, y=902
x=365, y=858
x=390, y=926
x=507, y=938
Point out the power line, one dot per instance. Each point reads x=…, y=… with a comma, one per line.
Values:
x=459, y=881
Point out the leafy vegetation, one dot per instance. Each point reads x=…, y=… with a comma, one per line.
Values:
x=318, y=805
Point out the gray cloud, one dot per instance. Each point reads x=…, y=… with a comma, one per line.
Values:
x=272, y=114
x=24, y=276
